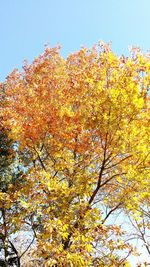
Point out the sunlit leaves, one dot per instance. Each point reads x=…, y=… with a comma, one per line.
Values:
x=83, y=123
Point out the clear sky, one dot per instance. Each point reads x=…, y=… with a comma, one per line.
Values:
x=26, y=25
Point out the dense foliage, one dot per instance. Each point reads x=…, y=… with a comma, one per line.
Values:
x=81, y=130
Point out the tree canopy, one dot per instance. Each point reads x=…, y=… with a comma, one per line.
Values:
x=81, y=126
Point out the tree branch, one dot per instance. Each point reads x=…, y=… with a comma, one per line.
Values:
x=111, y=211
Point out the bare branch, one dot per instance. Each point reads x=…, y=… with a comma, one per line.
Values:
x=111, y=211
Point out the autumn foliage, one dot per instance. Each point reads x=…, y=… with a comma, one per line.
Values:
x=81, y=126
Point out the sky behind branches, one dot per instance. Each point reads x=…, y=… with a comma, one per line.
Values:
x=27, y=25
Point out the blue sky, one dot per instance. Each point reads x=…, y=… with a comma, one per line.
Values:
x=26, y=25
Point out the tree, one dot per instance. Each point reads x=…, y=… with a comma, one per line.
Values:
x=11, y=181
x=84, y=125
